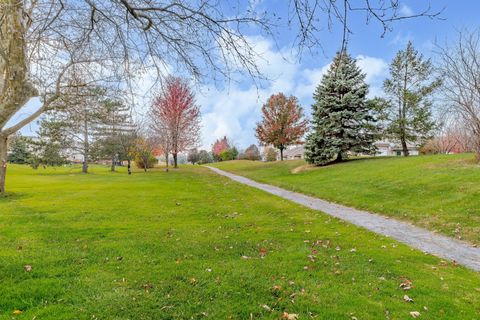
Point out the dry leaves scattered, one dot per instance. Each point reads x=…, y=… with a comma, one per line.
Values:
x=415, y=314
x=289, y=316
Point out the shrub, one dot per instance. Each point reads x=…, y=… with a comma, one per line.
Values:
x=140, y=161
x=270, y=154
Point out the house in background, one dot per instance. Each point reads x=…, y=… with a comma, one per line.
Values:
x=388, y=149
x=293, y=152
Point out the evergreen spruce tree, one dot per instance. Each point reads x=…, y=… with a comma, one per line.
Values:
x=342, y=121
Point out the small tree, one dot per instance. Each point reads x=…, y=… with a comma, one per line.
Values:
x=283, y=123
x=219, y=146
x=228, y=154
x=193, y=156
x=115, y=123
x=270, y=154
x=342, y=120
x=205, y=157
x=127, y=142
x=251, y=153
x=143, y=153
x=409, y=89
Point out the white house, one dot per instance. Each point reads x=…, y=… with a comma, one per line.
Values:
x=387, y=148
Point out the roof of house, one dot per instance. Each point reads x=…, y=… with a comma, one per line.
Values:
x=297, y=150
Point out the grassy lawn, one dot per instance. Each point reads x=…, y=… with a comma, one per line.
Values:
x=440, y=193
x=189, y=244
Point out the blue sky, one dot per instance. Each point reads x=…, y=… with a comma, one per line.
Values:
x=233, y=110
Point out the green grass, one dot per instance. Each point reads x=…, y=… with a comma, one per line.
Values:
x=440, y=193
x=170, y=245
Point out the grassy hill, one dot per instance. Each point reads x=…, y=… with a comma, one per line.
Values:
x=189, y=244
x=441, y=192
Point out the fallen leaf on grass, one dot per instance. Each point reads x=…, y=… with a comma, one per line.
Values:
x=27, y=268
x=267, y=308
x=407, y=298
x=415, y=314
x=17, y=312
x=289, y=316
x=262, y=252
x=406, y=284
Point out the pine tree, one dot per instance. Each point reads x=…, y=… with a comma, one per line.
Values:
x=342, y=121
x=409, y=89
x=116, y=123
x=19, y=149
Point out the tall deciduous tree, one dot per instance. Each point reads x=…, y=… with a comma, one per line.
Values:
x=342, y=120
x=283, y=122
x=409, y=90
x=175, y=115
x=460, y=71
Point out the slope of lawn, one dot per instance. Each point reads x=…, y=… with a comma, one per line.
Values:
x=440, y=193
x=189, y=244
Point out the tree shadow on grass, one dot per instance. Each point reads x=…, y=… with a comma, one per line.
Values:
x=11, y=196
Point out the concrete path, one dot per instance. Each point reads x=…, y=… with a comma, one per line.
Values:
x=427, y=241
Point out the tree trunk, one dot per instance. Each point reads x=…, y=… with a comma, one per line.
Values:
x=281, y=154
x=166, y=159
x=339, y=157
x=113, y=164
x=404, y=147
x=3, y=162
x=129, y=166
x=476, y=147
x=175, y=164
x=86, y=145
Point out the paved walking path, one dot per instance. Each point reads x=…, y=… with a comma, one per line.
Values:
x=427, y=241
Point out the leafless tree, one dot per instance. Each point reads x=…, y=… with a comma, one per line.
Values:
x=460, y=69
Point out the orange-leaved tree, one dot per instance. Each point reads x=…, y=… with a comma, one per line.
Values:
x=283, y=122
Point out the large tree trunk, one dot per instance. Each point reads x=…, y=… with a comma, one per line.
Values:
x=112, y=168
x=15, y=89
x=476, y=147
x=175, y=164
x=404, y=147
x=166, y=159
x=86, y=145
x=129, y=166
x=281, y=153
x=3, y=162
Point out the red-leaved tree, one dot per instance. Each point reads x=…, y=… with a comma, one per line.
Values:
x=283, y=122
x=176, y=117
x=219, y=146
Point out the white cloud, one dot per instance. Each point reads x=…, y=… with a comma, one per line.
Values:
x=234, y=112
x=406, y=10
x=374, y=68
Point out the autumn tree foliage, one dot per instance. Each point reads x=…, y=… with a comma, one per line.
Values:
x=219, y=146
x=176, y=116
x=283, y=122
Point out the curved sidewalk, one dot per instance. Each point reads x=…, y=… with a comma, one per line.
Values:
x=427, y=241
